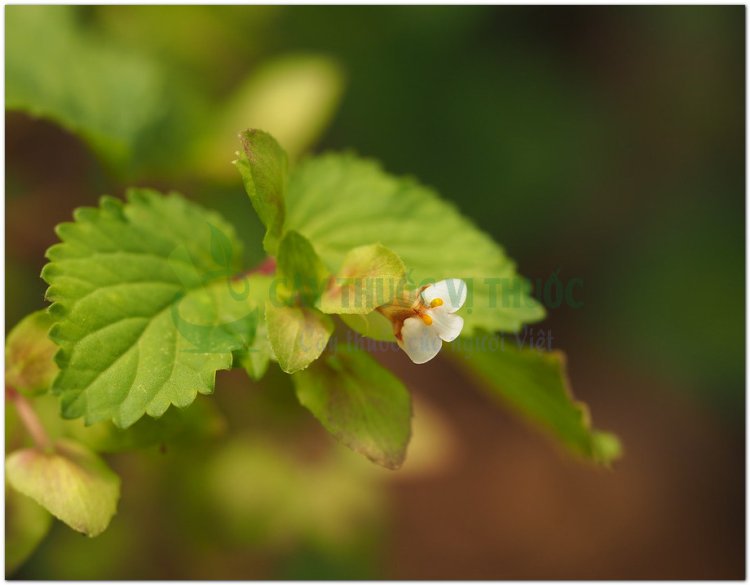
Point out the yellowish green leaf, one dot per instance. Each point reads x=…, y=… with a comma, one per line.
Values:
x=298, y=335
x=71, y=482
x=370, y=276
x=263, y=167
x=29, y=364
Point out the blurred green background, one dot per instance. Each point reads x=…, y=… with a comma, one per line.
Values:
x=601, y=143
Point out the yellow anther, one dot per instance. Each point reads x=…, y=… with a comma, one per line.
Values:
x=426, y=318
x=436, y=303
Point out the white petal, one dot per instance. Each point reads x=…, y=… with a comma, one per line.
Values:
x=451, y=291
x=420, y=342
x=447, y=325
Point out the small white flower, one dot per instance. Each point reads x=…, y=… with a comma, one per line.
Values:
x=431, y=321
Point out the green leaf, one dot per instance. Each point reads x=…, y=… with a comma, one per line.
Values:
x=369, y=277
x=29, y=367
x=299, y=270
x=298, y=335
x=340, y=201
x=57, y=70
x=263, y=167
x=373, y=325
x=536, y=384
x=145, y=316
x=72, y=483
x=360, y=403
x=26, y=525
x=256, y=358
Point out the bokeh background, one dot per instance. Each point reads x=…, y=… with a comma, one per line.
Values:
x=601, y=143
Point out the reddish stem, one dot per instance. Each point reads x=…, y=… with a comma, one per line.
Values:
x=267, y=267
x=29, y=419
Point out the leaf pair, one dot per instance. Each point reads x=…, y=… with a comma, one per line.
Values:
x=67, y=479
x=298, y=332
x=357, y=400
x=297, y=317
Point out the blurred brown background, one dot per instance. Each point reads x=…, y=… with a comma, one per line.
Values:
x=603, y=142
